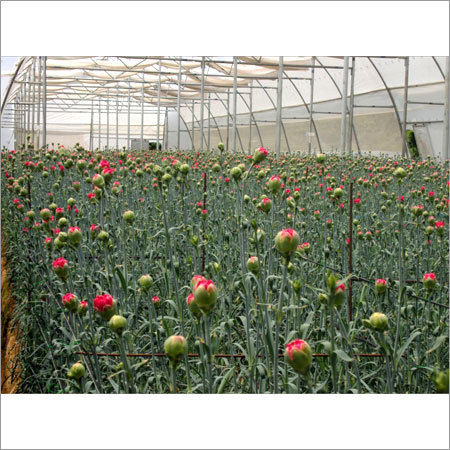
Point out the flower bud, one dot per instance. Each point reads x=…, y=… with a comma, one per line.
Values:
x=299, y=355
x=429, y=281
x=399, y=173
x=175, y=347
x=128, y=216
x=75, y=235
x=286, y=241
x=259, y=155
x=265, y=205
x=82, y=308
x=70, y=302
x=145, y=282
x=61, y=268
x=45, y=214
x=193, y=307
x=441, y=381
x=105, y=305
x=378, y=321
x=253, y=264
x=380, y=286
x=221, y=147
x=77, y=371
x=196, y=279
x=274, y=183
x=236, y=173
x=320, y=158
x=117, y=324
x=205, y=295
x=98, y=181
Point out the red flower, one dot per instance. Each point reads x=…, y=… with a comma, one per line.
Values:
x=103, y=302
x=298, y=344
x=60, y=263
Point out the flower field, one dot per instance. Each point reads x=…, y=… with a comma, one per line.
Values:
x=181, y=272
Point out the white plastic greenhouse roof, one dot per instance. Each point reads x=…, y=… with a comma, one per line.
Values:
x=137, y=95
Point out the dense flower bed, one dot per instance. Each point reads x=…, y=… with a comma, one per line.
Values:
x=209, y=273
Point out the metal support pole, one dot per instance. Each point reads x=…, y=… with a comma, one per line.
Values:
x=279, y=106
x=250, y=110
x=117, y=118
x=28, y=98
x=91, y=131
x=34, y=103
x=344, y=105
x=405, y=108
x=107, y=119
x=39, y=101
x=193, y=124
x=99, y=125
x=179, y=106
x=142, y=114
x=233, y=139
x=445, y=140
x=128, y=116
x=228, y=119
x=159, y=108
x=209, y=122
x=202, y=102
x=311, y=105
x=352, y=101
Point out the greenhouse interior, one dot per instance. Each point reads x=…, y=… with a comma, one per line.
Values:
x=287, y=104
x=212, y=225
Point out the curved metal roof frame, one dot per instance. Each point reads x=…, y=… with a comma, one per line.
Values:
x=156, y=84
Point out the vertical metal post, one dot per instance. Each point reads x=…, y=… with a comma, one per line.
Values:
x=128, y=115
x=39, y=102
x=159, y=108
x=311, y=105
x=352, y=101
x=228, y=119
x=250, y=119
x=405, y=108
x=117, y=118
x=350, y=254
x=166, y=129
x=91, y=131
x=34, y=103
x=279, y=106
x=142, y=113
x=99, y=124
x=233, y=138
x=193, y=124
x=28, y=100
x=344, y=105
x=209, y=121
x=179, y=105
x=107, y=119
x=445, y=140
x=202, y=102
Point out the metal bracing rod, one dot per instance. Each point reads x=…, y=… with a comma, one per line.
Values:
x=39, y=102
x=99, y=124
x=193, y=122
x=228, y=119
x=142, y=113
x=107, y=121
x=397, y=115
x=344, y=105
x=340, y=94
x=209, y=121
x=445, y=138
x=33, y=70
x=159, y=108
x=178, y=107
x=351, y=108
x=250, y=116
x=311, y=104
x=279, y=107
x=117, y=121
x=405, y=108
x=27, y=109
x=233, y=138
x=202, y=102
x=128, y=121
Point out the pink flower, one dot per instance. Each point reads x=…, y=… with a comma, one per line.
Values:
x=155, y=299
x=103, y=303
x=296, y=345
x=60, y=263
